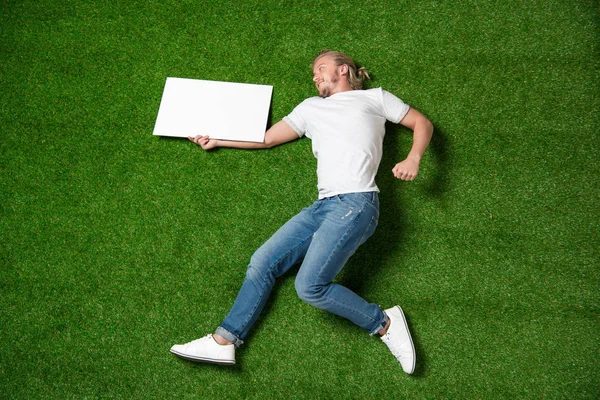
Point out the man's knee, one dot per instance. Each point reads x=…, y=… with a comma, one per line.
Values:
x=309, y=292
x=258, y=267
x=264, y=267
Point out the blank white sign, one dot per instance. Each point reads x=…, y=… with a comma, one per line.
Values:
x=221, y=110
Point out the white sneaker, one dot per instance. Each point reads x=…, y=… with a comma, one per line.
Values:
x=207, y=350
x=398, y=339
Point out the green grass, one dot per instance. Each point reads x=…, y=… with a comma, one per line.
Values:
x=115, y=244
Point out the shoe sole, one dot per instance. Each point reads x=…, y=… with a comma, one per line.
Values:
x=412, y=345
x=202, y=359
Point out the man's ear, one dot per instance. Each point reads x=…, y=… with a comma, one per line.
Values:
x=344, y=69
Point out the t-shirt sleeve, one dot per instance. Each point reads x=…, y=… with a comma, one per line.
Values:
x=394, y=109
x=296, y=121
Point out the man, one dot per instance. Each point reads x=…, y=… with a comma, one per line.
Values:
x=347, y=126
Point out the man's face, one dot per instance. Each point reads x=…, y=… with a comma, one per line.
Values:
x=326, y=76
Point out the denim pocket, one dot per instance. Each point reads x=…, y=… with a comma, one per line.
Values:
x=370, y=196
x=350, y=201
x=358, y=201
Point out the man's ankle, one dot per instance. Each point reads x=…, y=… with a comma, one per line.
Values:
x=221, y=340
x=385, y=328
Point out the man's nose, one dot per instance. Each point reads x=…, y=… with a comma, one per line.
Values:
x=315, y=78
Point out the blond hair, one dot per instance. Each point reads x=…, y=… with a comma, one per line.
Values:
x=356, y=76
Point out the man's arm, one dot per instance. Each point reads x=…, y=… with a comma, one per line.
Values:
x=278, y=134
x=422, y=128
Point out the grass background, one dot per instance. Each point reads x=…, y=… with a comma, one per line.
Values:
x=116, y=244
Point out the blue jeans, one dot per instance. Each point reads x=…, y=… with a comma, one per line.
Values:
x=322, y=237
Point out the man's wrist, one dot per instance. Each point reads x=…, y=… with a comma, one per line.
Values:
x=414, y=157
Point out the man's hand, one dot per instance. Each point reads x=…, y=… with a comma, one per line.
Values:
x=204, y=141
x=407, y=170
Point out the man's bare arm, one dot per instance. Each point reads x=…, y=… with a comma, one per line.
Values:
x=278, y=134
x=422, y=131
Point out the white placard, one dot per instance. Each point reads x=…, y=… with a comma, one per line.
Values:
x=221, y=110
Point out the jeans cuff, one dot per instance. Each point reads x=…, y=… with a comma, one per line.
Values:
x=237, y=342
x=381, y=325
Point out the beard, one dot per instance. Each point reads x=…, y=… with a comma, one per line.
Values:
x=326, y=87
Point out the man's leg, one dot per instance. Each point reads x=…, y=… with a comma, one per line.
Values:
x=284, y=249
x=346, y=222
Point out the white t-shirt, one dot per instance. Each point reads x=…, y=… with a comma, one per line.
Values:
x=347, y=131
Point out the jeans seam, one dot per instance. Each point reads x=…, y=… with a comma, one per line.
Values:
x=343, y=305
x=373, y=219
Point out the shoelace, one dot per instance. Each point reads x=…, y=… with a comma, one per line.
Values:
x=198, y=340
x=396, y=351
x=390, y=344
